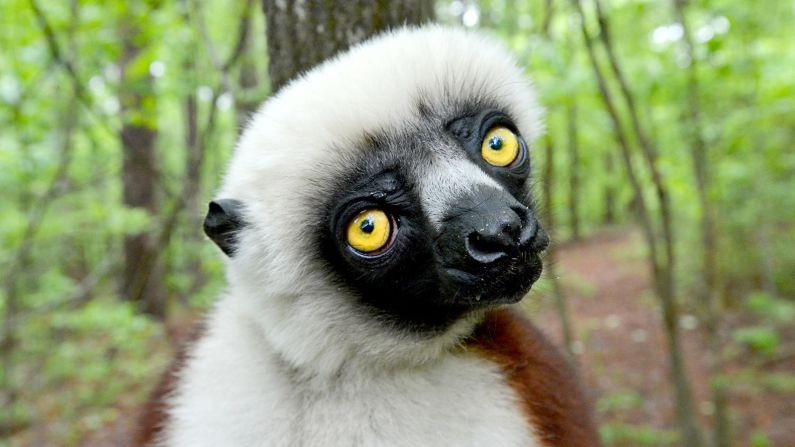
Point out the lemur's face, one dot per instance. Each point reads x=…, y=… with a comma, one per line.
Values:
x=434, y=220
x=413, y=202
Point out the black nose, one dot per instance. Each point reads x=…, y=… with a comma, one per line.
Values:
x=488, y=225
x=495, y=237
x=488, y=246
x=505, y=231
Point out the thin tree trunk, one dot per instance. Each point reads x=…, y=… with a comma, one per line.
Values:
x=303, y=34
x=248, y=79
x=610, y=189
x=662, y=269
x=197, y=139
x=549, y=13
x=551, y=258
x=192, y=185
x=574, y=170
x=548, y=180
x=142, y=281
x=639, y=202
x=709, y=283
x=685, y=410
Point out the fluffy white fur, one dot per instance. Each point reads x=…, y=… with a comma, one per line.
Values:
x=287, y=359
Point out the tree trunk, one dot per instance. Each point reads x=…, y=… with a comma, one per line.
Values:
x=709, y=283
x=685, y=408
x=574, y=170
x=248, y=80
x=610, y=190
x=303, y=34
x=142, y=281
x=547, y=181
x=662, y=265
x=549, y=222
x=192, y=185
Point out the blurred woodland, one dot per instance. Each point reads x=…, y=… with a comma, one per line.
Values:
x=667, y=178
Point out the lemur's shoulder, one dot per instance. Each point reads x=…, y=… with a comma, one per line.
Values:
x=547, y=384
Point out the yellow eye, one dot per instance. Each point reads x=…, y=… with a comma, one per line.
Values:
x=369, y=230
x=500, y=147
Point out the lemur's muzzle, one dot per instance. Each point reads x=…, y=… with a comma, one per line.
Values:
x=489, y=245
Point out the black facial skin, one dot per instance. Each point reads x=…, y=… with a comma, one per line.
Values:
x=470, y=130
x=400, y=283
x=485, y=254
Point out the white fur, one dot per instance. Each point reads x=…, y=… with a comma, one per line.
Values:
x=440, y=185
x=248, y=396
x=288, y=358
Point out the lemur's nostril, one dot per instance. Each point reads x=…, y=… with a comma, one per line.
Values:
x=523, y=212
x=484, y=250
x=533, y=236
x=530, y=225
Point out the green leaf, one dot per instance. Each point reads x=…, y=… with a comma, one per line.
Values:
x=760, y=338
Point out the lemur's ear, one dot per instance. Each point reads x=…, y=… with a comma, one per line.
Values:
x=224, y=219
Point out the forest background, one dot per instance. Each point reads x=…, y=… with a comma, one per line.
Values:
x=667, y=178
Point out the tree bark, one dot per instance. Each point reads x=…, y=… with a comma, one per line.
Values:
x=551, y=258
x=610, y=190
x=574, y=170
x=546, y=22
x=547, y=181
x=662, y=267
x=248, y=78
x=685, y=411
x=303, y=34
x=709, y=274
x=142, y=281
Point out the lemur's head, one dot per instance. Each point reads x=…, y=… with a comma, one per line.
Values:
x=381, y=200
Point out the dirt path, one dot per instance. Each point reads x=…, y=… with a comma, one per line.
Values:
x=620, y=346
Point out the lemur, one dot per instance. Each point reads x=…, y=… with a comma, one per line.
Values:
x=378, y=229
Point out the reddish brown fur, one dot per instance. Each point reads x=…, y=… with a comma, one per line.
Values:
x=154, y=415
x=546, y=383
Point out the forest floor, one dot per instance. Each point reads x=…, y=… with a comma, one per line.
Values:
x=620, y=348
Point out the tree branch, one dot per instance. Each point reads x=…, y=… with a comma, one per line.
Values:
x=58, y=56
x=194, y=165
x=623, y=143
x=243, y=32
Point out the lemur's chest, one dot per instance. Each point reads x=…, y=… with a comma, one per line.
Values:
x=510, y=388
x=460, y=401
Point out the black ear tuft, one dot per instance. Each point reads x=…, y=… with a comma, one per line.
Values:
x=224, y=219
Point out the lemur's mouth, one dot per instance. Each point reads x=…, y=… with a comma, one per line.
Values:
x=504, y=282
x=491, y=250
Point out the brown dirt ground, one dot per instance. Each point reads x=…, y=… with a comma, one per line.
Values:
x=620, y=345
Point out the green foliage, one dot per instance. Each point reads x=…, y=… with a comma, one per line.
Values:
x=759, y=439
x=769, y=306
x=77, y=351
x=761, y=338
x=636, y=435
x=619, y=401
